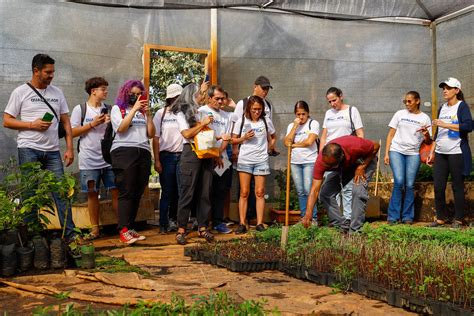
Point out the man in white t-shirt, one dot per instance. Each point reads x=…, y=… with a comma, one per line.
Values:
x=38, y=139
x=220, y=124
x=88, y=121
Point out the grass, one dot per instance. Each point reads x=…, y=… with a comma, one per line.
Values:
x=115, y=265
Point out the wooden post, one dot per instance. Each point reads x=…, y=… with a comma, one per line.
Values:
x=213, y=65
x=434, y=76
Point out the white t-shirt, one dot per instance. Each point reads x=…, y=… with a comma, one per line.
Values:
x=90, y=153
x=182, y=125
x=239, y=110
x=408, y=137
x=448, y=142
x=255, y=149
x=167, y=130
x=135, y=136
x=303, y=155
x=24, y=102
x=220, y=125
x=338, y=123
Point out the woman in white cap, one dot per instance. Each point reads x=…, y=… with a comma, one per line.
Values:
x=451, y=154
x=167, y=148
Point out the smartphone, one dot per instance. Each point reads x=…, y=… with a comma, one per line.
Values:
x=104, y=111
x=207, y=78
x=47, y=117
x=143, y=98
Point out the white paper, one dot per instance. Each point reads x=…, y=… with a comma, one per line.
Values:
x=226, y=164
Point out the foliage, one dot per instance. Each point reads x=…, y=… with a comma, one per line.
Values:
x=115, y=265
x=216, y=303
x=25, y=193
x=425, y=174
x=167, y=67
x=280, y=178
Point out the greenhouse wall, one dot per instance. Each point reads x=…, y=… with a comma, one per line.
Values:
x=374, y=63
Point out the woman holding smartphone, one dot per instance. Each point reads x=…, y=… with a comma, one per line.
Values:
x=131, y=154
x=253, y=134
x=408, y=129
x=451, y=154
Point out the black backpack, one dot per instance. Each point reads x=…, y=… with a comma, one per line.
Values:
x=107, y=140
x=83, y=117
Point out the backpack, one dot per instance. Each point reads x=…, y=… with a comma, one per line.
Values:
x=108, y=139
x=317, y=139
x=83, y=117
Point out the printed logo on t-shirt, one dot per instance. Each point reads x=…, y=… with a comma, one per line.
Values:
x=410, y=121
x=139, y=119
x=336, y=118
x=50, y=100
x=169, y=120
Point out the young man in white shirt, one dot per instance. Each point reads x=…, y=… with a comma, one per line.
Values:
x=38, y=139
x=220, y=125
x=88, y=122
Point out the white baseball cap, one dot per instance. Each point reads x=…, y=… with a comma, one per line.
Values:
x=451, y=82
x=173, y=90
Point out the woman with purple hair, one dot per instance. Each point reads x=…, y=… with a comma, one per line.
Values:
x=131, y=155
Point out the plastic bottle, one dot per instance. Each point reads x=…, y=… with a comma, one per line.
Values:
x=453, y=134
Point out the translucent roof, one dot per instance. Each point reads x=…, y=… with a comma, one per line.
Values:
x=332, y=9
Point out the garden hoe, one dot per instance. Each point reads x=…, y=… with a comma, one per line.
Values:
x=284, y=230
x=373, y=205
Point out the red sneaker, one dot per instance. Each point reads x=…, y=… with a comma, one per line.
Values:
x=134, y=233
x=126, y=236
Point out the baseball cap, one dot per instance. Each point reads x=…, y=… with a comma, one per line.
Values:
x=173, y=90
x=263, y=82
x=451, y=82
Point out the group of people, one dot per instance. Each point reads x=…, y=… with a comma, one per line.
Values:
x=334, y=164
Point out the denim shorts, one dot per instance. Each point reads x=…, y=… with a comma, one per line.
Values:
x=104, y=174
x=257, y=169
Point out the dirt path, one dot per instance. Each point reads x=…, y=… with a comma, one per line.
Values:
x=171, y=272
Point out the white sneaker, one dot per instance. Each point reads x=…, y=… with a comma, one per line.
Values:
x=134, y=234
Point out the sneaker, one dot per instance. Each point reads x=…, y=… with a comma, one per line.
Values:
x=134, y=233
x=456, y=224
x=194, y=222
x=391, y=223
x=314, y=222
x=260, y=228
x=241, y=229
x=126, y=237
x=173, y=226
x=407, y=222
x=436, y=224
x=223, y=229
x=164, y=229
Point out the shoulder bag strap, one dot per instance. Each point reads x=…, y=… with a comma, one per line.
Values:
x=43, y=99
x=350, y=118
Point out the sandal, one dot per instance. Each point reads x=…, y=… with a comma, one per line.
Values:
x=206, y=234
x=436, y=224
x=181, y=238
x=91, y=236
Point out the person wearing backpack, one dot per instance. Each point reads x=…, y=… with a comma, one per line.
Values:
x=261, y=88
x=341, y=120
x=167, y=148
x=131, y=154
x=302, y=136
x=88, y=121
x=252, y=133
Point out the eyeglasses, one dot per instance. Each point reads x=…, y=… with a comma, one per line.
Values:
x=407, y=101
x=219, y=99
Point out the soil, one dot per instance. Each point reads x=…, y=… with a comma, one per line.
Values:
x=171, y=272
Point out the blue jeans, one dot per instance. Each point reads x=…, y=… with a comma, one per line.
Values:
x=169, y=181
x=302, y=175
x=50, y=160
x=404, y=169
